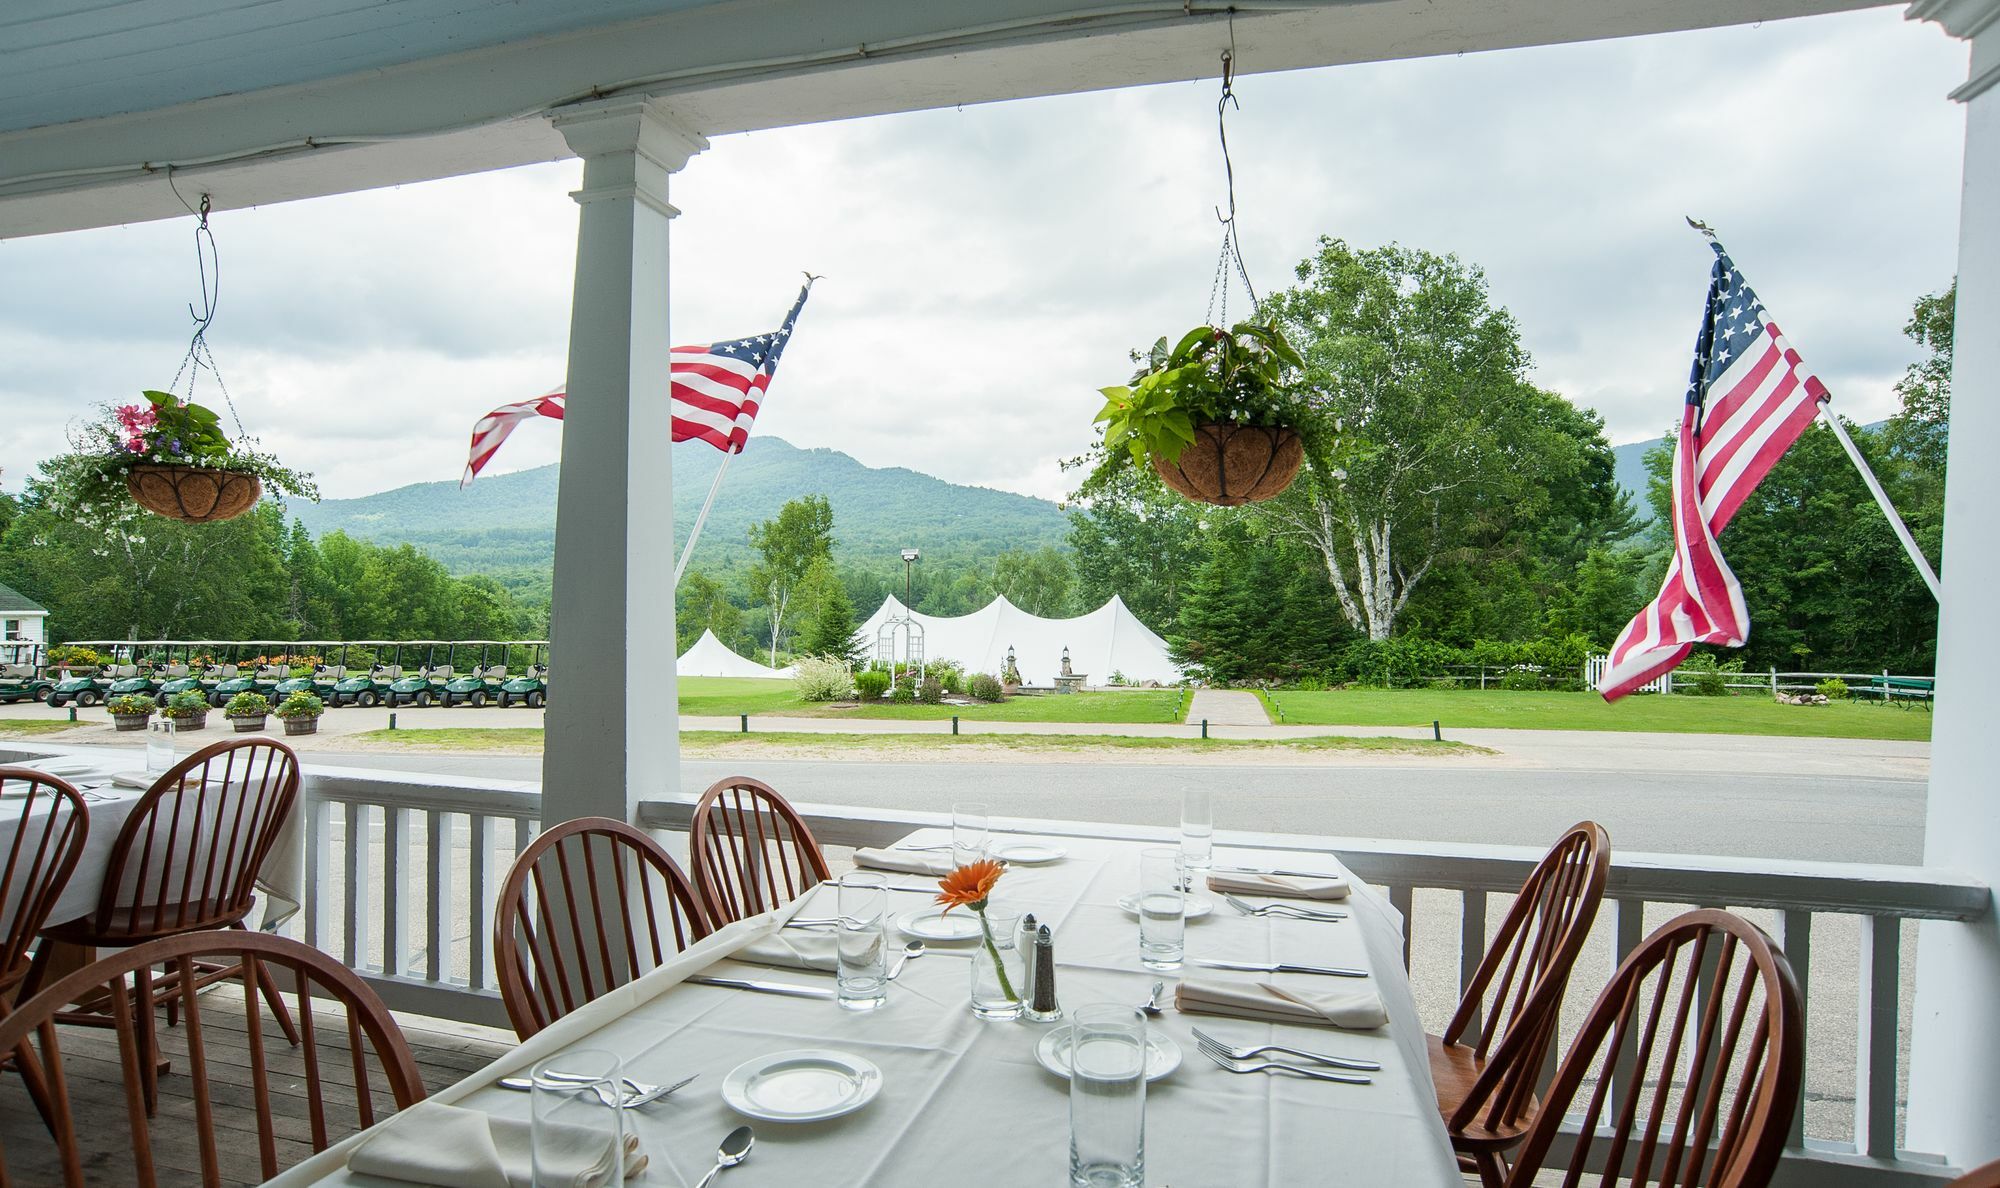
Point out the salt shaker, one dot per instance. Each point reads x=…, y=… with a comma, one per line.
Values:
x=1024, y=944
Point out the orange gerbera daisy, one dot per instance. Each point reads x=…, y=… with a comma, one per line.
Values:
x=969, y=885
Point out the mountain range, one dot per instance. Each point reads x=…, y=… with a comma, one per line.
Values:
x=504, y=524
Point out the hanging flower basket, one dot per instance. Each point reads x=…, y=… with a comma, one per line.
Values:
x=1231, y=465
x=195, y=494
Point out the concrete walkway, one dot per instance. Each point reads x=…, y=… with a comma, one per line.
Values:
x=1227, y=707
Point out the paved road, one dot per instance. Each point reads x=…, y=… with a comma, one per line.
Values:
x=1864, y=818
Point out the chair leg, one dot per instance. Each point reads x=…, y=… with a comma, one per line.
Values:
x=32, y=1077
x=276, y=1001
x=1492, y=1169
x=149, y=1039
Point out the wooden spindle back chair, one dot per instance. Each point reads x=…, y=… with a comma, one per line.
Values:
x=589, y=906
x=352, y=1065
x=1489, y=1061
x=1984, y=1176
x=751, y=851
x=1696, y=1054
x=51, y=825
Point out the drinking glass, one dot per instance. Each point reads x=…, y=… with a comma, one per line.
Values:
x=159, y=746
x=1107, y=1097
x=1197, y=832
x=861, y=968
x=999, y=974
x=578, y=1123
x=970, y=831
x=1162, y=909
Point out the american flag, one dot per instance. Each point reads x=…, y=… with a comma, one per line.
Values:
x=717, y=390
x=1748, y=400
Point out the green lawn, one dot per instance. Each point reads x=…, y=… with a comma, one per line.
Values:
x=1587, y=711
x=759, y=696
x=29, y=727
x=529, y=739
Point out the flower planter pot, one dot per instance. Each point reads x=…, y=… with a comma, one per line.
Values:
x=1231, y=465
x=129, y=721
x=301, y=725
x=248, y=725
x=195, y=494
x=188, y=722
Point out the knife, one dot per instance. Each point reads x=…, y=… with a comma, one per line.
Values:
x=1297, y=874
x=786, y=988
x=1276, y=967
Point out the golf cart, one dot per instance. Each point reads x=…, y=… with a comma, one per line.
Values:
x=86, y=684
x=308, y=682
x=186, y=666
x=21, y=674
x=423, y=688
x=531, y=688
x=264, y=676
x=370, y=688
x=133, y=673
x=482, y=684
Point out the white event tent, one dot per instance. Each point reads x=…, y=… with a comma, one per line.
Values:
x=1107, y=640
x=710, y=657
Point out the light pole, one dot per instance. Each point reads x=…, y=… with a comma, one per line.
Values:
x=910, y=558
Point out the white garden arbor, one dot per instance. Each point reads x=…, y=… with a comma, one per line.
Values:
x=268, y=101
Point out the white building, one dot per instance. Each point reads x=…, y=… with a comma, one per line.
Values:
x=22, y=619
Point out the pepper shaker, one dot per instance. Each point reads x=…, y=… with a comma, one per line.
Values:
x=1043, y=1007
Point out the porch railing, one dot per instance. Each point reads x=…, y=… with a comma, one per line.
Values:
x=404, y=871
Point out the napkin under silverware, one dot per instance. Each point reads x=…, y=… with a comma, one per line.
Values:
x=903, y=861
x=1355, y=1010
x=1279, y=886
x=452, y=1147
x=818, y=951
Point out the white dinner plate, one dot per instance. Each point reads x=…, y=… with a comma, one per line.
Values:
x=1029, y=853
x=932, y=924
x=1197, y=905
x=1163, y=1055
x=64, y=765
x=807, y=1085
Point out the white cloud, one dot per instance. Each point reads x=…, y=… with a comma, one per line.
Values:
x=988, y=268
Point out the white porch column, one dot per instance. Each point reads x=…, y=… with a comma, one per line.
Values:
x=611, y=721
x=1955, y=1064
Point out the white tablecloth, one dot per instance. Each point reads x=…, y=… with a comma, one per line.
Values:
x=964, y=1101
x=282, y=877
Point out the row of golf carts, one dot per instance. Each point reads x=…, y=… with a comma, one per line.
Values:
x=357, y=672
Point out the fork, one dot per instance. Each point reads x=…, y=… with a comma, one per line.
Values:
x=636, y=1094
x=1221, y=1049
x=1270, y=1066
x=1283, y=909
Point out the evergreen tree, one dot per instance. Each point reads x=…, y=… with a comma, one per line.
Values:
x=831, y=630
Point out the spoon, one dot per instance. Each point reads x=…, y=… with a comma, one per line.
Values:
x=1152, y=1005
x=734, y=1150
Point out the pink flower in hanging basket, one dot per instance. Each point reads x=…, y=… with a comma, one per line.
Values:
x=135, y=420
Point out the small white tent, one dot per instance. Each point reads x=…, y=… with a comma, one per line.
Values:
x=1107, y=640
x=710, y=657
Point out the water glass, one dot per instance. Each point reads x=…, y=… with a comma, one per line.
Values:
x=1197, y=832
x=1162, y=908
x=159, y=746
x=861, y=969
x=1107, y=1097
x=970, y=831
x=578, y=1124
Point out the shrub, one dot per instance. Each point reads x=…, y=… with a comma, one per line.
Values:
x=301, y=705
x=984, y=686
x=187, y=705
x=948, y=673
x=244, y=705
x=870, y=685
x=822, y=678
x=1699, y=676
x=1833, y=689
x=74, y=654
x=1521, y=680
x=1310, y=684
x=126, y=704
x=904, y=693
x=931, y=692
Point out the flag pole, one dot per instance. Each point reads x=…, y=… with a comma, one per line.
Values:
x=694, y=533
x=1917, y=557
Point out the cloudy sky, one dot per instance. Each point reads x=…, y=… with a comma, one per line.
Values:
x=988, y=268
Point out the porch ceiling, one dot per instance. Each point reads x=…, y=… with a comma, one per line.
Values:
x=282, y=99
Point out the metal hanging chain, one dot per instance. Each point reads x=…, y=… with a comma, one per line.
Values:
x=208, y=265
x=1232, y=246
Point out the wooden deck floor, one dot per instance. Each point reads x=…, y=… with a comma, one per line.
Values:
x=445, y=1052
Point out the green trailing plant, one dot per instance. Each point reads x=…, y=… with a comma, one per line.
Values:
x=187, y=705
x=1238, y=376
x=870, y=685
x=132, y=705
x=245, y=705
x=88, y=484
x=301, y=705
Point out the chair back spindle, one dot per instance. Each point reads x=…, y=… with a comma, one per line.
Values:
x=751, y=850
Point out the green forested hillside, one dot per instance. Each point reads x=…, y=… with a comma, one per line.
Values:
x=504, y=525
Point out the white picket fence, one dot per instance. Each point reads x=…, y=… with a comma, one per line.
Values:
x=1593, y=671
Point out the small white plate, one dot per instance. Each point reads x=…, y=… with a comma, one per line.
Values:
x=1163, y=1055
x=932, y=924
x=1029, y=853
x=1197, y=906
x=63, y=765
x=807, y=1085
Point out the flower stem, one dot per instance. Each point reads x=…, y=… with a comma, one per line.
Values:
x=999, y=967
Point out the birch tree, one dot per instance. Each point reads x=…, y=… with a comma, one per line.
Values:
x=801, y=533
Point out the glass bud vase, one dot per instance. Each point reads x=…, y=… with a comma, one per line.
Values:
x=999, y=975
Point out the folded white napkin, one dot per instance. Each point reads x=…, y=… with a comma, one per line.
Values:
x=794, y=948
x=134, y=779
x=903, y=862
x=1280, y=886
x=1356, y=1010
x=451, y=1147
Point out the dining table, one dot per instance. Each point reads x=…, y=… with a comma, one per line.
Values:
x=964, y=1100
x=113, y=782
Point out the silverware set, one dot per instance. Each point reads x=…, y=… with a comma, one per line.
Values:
x=634, y=1093
x=1216, y=1047
x=1286, y=910
x=1332, y=971
x=1273, y=1066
